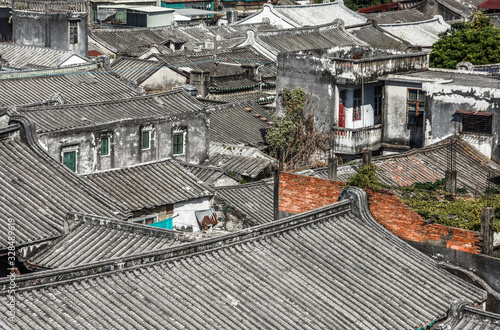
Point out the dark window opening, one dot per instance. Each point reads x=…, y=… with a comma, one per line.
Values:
x=179, y=144
x=73, y=32
x=415, y=106
x=479, y=124
x=356, y=105
x=145, y=139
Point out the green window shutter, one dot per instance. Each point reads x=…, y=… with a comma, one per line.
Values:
x=105, y=145
x=145, y=139
x=178, y=144
x=69, y=160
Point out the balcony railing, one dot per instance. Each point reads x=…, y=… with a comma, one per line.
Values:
x=370, y=69
x=354, y=140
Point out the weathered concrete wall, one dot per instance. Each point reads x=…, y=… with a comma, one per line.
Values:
x=396, y=132
x=443, y=102
x=293, y=73
x=125, y=147
x=49, y=30
x=164, y=79
x=185, y=211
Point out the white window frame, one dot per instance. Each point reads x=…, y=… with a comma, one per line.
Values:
x=142, y=220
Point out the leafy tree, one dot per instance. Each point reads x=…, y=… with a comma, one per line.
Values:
x=358, y=4
x=293, y=139
x=476, y=41
x=365, y=177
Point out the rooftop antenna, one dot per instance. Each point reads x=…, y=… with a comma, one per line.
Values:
x=215, y=55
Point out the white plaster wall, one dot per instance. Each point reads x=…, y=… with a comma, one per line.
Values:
x=394, y=108
x=73, y=60
x=267, y=13
x=164, y=78
x=482, y=143
x=185, y=211
x=496, y=239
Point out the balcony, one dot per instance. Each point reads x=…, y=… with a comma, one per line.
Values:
x=353, y=141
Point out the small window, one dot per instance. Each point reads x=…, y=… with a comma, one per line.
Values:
x=69, y=160
x=377, y=106
x=415, y=106
x=104, y=145
x=73, y=32
x=178, y=143
x=477, y=123
x=147, y=220
x=356, y=105
x=145, y=139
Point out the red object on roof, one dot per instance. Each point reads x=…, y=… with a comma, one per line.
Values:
x=380, y=8
x=95, y=53
x=490, y=4
x=477, y=113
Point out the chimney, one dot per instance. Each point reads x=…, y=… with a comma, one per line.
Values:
x=200, y=79
x=276, y=195
x=451, y=182
x=367, y=157
x=332, y=168
x=487, y=218
x=250, y=70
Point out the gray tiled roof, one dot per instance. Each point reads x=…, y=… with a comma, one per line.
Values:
x=428, y=164
x=233, y=123
x=160, y=105
x=135, y=70
x=90, y=239
x=253, y=200
x=135, y=41
x=76, y=87
x=205, y=61
x=423, y=33
x=404, y=16
x=162, y=182
x=207, y=174
x=326, y=268
x=262, y=97
x=290, y=40
x=22, y=57
x=37, y=192
x=462, y=316
x=376, y=37
x=246, y=166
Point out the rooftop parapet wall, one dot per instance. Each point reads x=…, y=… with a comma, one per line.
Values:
x=78, y=6
x=346, y=70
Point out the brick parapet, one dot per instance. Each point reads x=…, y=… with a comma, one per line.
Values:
x=300, y=193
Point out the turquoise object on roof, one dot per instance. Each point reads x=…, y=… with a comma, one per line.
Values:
x=166, y=224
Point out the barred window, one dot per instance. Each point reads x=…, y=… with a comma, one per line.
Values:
x=415, y=106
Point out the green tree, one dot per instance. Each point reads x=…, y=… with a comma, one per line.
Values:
x=358, y=4
x=476, y=41
x=292, y=139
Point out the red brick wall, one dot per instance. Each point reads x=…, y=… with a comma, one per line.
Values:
x=300, y=193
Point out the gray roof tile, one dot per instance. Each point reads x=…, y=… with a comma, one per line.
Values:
x=322, y=269
x=75, y=87
x=38, y=192
x=91, y=238
x=162, y=182
x=23, y=57
x=253, y=200
x=427, y=164
x=233, y=123
x=160, y=105
x=245, y=166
